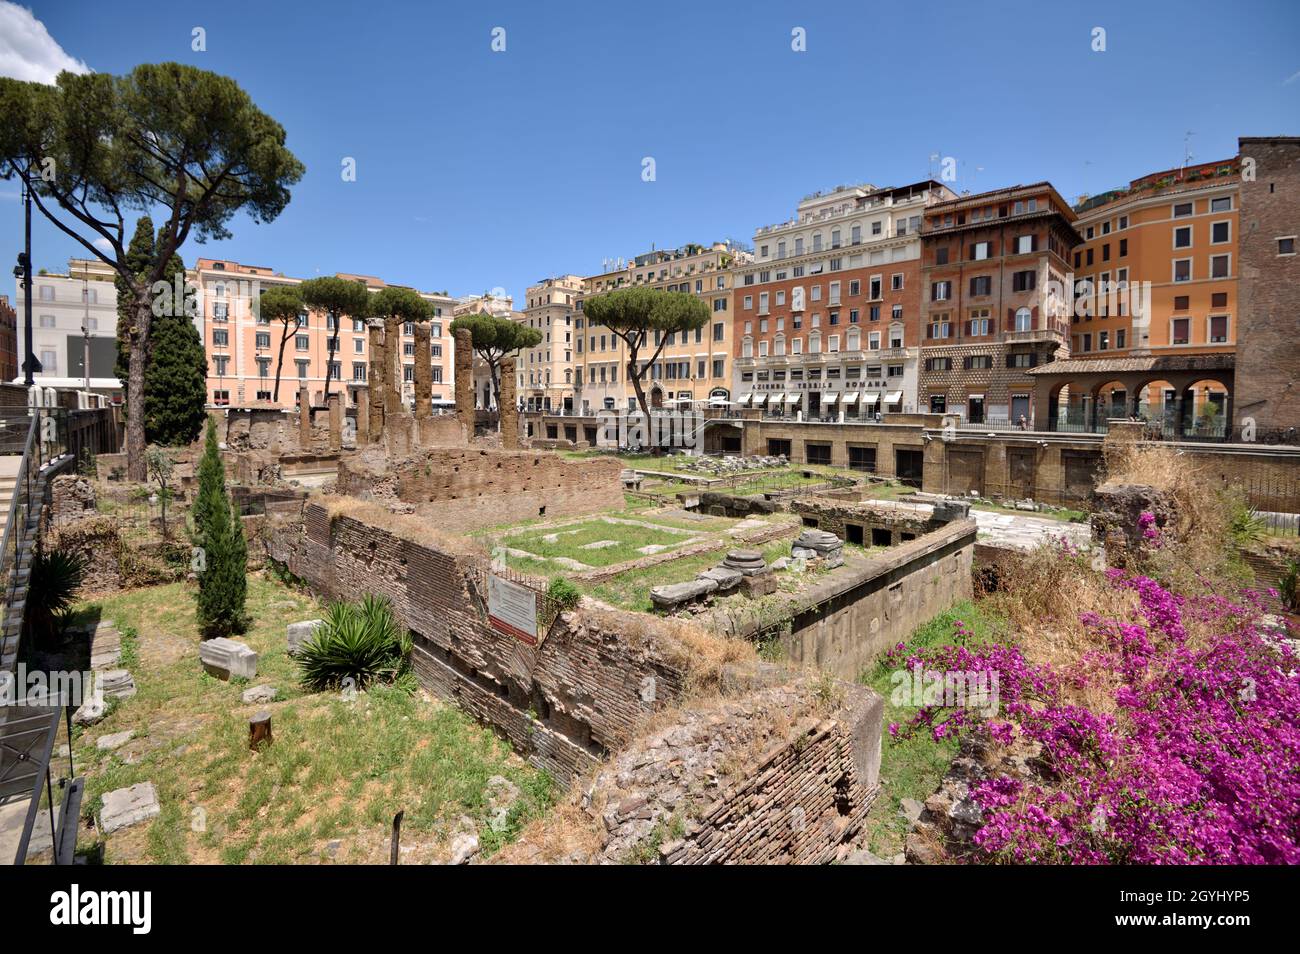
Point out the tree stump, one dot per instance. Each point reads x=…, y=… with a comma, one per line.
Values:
x=259, y=730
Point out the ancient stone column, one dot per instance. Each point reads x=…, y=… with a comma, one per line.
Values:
x=393, y=405
x=378, y=367
x=465, y=378
x=335, y=401
x=423, y=371
x=508, y=406
x=304, y=419
x=363, y=413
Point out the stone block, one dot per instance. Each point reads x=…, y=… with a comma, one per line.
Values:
x=674, y=595
x=125, y=807
x=297, y=634
x=726, y=578
x=259, y=694
x=759, y=584
x=117, y=684
x=224, y=658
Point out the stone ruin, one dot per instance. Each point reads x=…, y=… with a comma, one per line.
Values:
x=1128, y=519
x=738, y=760
x=742, y=571
x=819, y=545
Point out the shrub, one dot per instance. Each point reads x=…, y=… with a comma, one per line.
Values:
x=1288, y=587
x=357, y=641
x=564, y=592
x=219, y=533
x=56, y=577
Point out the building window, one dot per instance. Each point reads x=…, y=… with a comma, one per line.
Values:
x=981, y=285
x=1221, y=204
x=1180, y=331
x=263, y=367
x=263, y=339
x=49, y=362
x=220, y=338
x=1023, y=281
x=1024, y=319
x=221, y=398
x=301, y=342
x=1220, y=232
x=940, y=291
x=1286, y=245
x=220, y=364
x=1220, y=266
x=1218, y=329
x=1182, y=210
x=1183, y=237
x=47, y=321
x=1182, y=269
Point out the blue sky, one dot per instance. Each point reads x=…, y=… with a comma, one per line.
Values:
x=478, y=170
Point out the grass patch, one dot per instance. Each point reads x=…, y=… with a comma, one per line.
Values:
x=571, y=542
x=912, y=768
x=337, y=769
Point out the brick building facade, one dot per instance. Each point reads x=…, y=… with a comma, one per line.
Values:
x=994, y=300
x=1268, y=356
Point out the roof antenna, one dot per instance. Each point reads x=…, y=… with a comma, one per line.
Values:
x=1187, y=149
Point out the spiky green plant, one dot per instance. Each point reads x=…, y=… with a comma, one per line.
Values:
x=51, y=591
x=358, y=641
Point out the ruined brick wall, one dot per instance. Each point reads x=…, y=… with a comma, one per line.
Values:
x=563, y=704
x=71, y=498
x=781, y=775
x=464, y=489
x=269, y=429
x=842, y=623
x=1268, y=361
x=837, y=515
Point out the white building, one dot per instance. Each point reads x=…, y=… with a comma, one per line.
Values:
x=73, y=313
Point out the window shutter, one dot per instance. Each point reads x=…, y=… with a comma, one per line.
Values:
x=1033, y=358
x=1033, y=317
x=993, y=325
x=1011, y=319
x=1009, y=364
x=971, y=256
x=966, y=328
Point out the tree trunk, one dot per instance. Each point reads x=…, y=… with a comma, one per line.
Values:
x=136, y=465
x=494, y=376
x=636, y=385
x=279, y=363
x=329, y=358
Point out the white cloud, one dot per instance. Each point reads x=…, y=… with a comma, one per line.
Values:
x=27, y=51
x=103, y=244
x=1291, y=79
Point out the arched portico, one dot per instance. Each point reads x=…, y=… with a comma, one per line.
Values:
x=1082, y=394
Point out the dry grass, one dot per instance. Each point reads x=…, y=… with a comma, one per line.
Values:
x=403, y=526
x=1196, y=552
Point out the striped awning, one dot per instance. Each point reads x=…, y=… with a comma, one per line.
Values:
x=792, y=398
x=759, y=399
x=894, y=397
x=744, y=399
x=831, y=398
x=871, y=398
x=851, y=397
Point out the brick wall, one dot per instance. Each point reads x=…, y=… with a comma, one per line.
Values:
x=563, y=704
x=1268, y=359
x=780, y=775
x=465, y=489
x=843, y=622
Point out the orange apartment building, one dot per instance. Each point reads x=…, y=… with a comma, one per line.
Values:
x=1156, y=288
x=243, y=349
x=995, y=300
x=827, y=316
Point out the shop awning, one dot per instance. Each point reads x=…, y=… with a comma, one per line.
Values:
x=792, y=398
x=894, y=397
x=777, y=398
x=831, y=398
x=871, y=398
x=759, y=399
x=744, y=399
x=851, y=397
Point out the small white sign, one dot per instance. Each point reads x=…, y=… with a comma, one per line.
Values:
x=512, y=609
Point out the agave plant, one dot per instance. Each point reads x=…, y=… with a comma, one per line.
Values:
x=51, y=591
x=358, y=641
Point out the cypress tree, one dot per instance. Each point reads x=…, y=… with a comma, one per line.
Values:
x=223, y=581
x=175, y=381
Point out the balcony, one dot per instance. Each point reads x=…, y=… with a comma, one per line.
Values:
x=1055, y=335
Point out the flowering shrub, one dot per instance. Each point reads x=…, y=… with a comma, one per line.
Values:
x=1198, y=761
